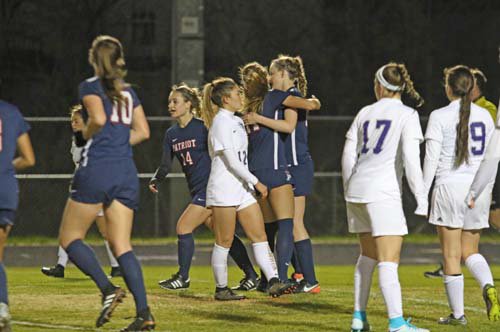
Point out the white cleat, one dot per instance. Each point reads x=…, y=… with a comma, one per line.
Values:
x=4, y=317
x=359, y=325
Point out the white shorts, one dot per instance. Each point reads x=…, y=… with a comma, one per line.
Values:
x=378, y=218
x=241, y=200
x=449, y=209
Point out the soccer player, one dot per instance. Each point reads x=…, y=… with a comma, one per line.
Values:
x=77, y=145
x=13, y=137
x=106, y=178
x=230, y=187
x=383, y=140
x=456, y=140
x=272, y=128
x=187, y=141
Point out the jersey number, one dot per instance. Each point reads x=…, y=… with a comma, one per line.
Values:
x=186, y=159
x=242, y=155
x=385, y=125
x=124, y=114
x=478, y=136
x=1, y=133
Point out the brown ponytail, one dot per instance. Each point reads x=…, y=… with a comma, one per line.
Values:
x=212, y=97
x=107, y=57
x=189, y=94
x=461, y=81
x=295, y=69
x=396, y=74
x=253, y=77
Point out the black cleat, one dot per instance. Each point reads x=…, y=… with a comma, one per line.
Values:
x=305, y=287
x=115, y=272
x=435, y=274
x=277, y=288
x=143, y=322
x=109, y=304
x=247, y=284
x=451, y=320
x=176, y=282
x=226, y=294
x=56, y=271
x=262, y=286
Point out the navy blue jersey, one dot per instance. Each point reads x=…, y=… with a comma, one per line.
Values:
x=266, y=146
x=12, y=125
x=296, y=146
x=112, y=141
x=189, y=146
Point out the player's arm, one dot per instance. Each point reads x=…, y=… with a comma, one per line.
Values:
x=285, y=126
x=309, y=104
x=97, y=116
x=164, y=168
x=349, y=159
x=26, y=156
x=139, y=130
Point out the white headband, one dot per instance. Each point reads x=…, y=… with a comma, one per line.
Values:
x=380, y=77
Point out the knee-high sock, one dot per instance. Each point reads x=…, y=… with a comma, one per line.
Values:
x=284, y=246
x=219, y=265
x=112, y=260
x=479, y=268
x=185, y=252
x=62, y=257
x=240, y=256
x=271, y=230
x=454, y=286
x=265, y=259
x=85, y=259
x=295, y=262
x=362, y=282
x=305, y=253
x=4, y=297
x=391, y=288
x=132, y=274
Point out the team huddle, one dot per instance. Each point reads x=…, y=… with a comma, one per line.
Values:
x=244, y=151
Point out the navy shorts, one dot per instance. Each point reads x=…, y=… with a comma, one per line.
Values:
x=303, y=176
x=200, y=198
x=105, y=182
x=274, y=178
x=7, y=217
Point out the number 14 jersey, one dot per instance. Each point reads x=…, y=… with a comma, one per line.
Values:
x=380, y=129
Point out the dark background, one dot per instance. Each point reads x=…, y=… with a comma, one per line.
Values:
x=43, y=57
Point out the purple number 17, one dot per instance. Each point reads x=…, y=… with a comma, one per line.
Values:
x=385, y=124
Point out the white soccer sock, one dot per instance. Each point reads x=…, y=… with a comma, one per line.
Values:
x=62, y=257
x=219, y=265
x=111, y=256
x=362, y=281
x=265, y=259
x=391, y=289
x=479, y=268
x=454, y=286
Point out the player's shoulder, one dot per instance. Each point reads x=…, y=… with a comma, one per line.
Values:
x=9, y=110
x=90, y=85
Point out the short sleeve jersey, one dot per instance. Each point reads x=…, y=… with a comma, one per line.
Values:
x=112, y=141
x=12, y=125
x=267, y=146
x=379, y=130
x=442, y=128
x=189, y=146
x=296, y=144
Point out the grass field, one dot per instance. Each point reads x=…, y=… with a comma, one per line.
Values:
x=39, y=303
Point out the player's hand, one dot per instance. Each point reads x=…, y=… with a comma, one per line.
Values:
x=261, y=189
x=153, y=186
x=315, y=101
x=250, y=118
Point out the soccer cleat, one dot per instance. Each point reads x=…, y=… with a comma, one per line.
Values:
x=56, y=271
x=297, y=277
x=4, y=317
x=143, y=322
x=490, y=297
x=435, y=274
x=246, y=284
x=305, y=287
x=115, y=272
x=407, y=327
x=277, y=288
x=359, y=325
x=176, y=282
x=227, y=294
x=451, y=320
x=109, y=304
x=262, y=286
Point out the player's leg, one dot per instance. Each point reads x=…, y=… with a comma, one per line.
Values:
x=5, y=227
x=101, y=226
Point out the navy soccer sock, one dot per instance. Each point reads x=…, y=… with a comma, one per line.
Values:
x=295, y=261
x=271, y=230
x=185, y=252
x=132, y=274
x=284, y=246
x=305, y=254
x=4, y=298
x=239, y=254
x=85, y=259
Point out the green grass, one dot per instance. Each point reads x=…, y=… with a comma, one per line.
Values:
x=74, y=302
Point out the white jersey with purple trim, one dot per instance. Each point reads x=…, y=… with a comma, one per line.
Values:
x=382, y=141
